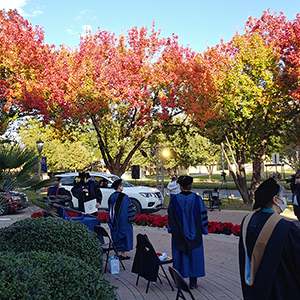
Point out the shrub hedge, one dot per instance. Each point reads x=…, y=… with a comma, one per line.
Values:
x=44, y=275
x=53, y=235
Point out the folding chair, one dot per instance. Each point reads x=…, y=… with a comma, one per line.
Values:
x=107, y=247
x=180, y=284
x=146, y=262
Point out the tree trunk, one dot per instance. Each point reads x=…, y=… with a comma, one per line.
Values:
x=210, y=170
x=239, y=175
x=241, y=183
x=114, y=164
x=257, y=164
x=187, y=171
x=116, y=168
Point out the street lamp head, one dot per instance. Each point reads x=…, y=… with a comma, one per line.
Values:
x=165, y=152
x=39, y=145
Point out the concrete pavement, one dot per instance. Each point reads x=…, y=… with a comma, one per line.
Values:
x=221, y=261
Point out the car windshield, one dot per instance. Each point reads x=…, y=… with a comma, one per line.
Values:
x=126, y=183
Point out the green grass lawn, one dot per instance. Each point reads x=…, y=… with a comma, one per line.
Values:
x=203, y=181
x=32, y=195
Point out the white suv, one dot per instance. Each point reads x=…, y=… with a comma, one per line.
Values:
x=145, y=199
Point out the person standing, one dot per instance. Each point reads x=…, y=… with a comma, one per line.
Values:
x=269, y=248
x=92, y=189
x=121, y=216
x=295, y=188
x=78, y=190
x=173, y=186
x=187, y=222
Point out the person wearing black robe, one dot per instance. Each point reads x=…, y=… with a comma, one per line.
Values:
x=78, y=190
x=269, y=248
x=93, y=190
x=295, y=188
x=86, y=189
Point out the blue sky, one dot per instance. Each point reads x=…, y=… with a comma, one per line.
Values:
x=198, y=23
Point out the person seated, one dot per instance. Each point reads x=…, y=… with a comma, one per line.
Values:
x=62, y=196
x=55, y=190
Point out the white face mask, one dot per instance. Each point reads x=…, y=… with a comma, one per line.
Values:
x=282, y=206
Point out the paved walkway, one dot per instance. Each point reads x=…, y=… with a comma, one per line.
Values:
x=221, y=261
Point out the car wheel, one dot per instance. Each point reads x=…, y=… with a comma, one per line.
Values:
x=137, y=206
x=4, y=208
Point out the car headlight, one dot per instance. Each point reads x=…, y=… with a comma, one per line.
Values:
x=147, y=195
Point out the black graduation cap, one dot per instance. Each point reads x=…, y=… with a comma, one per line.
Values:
x=116, y=184
x=185, y=180
x=265, y=193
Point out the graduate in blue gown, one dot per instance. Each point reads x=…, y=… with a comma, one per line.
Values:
x=121, y=216
x=187, y=222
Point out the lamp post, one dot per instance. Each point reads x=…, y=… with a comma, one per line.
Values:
x=223, y=170
x=39, y=145
x=160, y=154
x=164, y=153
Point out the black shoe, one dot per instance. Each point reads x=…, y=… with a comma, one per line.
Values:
x=121, y=257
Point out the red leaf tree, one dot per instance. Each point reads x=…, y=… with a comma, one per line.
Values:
x=125, y=87
x=22, y=60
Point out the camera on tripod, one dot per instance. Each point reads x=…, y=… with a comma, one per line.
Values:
x=223, y=174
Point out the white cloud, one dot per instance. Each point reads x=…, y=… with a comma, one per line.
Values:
x=13, y=4
x=87, y=28
x=18, y=4
x=80, y=15
x=71, y=31
x=86, y=15
x=37, y=13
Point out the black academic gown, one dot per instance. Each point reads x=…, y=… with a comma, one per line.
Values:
x=278, y=276
x=77, y=191
x=94, y=191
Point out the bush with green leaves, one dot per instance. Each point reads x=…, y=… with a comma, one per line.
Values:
x=44, y=275
x=53, y=235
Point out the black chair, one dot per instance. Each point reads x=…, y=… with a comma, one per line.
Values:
x=146, y=262
x=180, y=284
x=107, y=247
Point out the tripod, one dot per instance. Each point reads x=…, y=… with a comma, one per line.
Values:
x=225, y=188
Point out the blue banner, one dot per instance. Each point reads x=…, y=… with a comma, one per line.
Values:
x=44, y=164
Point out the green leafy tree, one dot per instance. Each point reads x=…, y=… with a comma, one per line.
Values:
x=252, y=101
x=186, y=148
x=62, y=151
